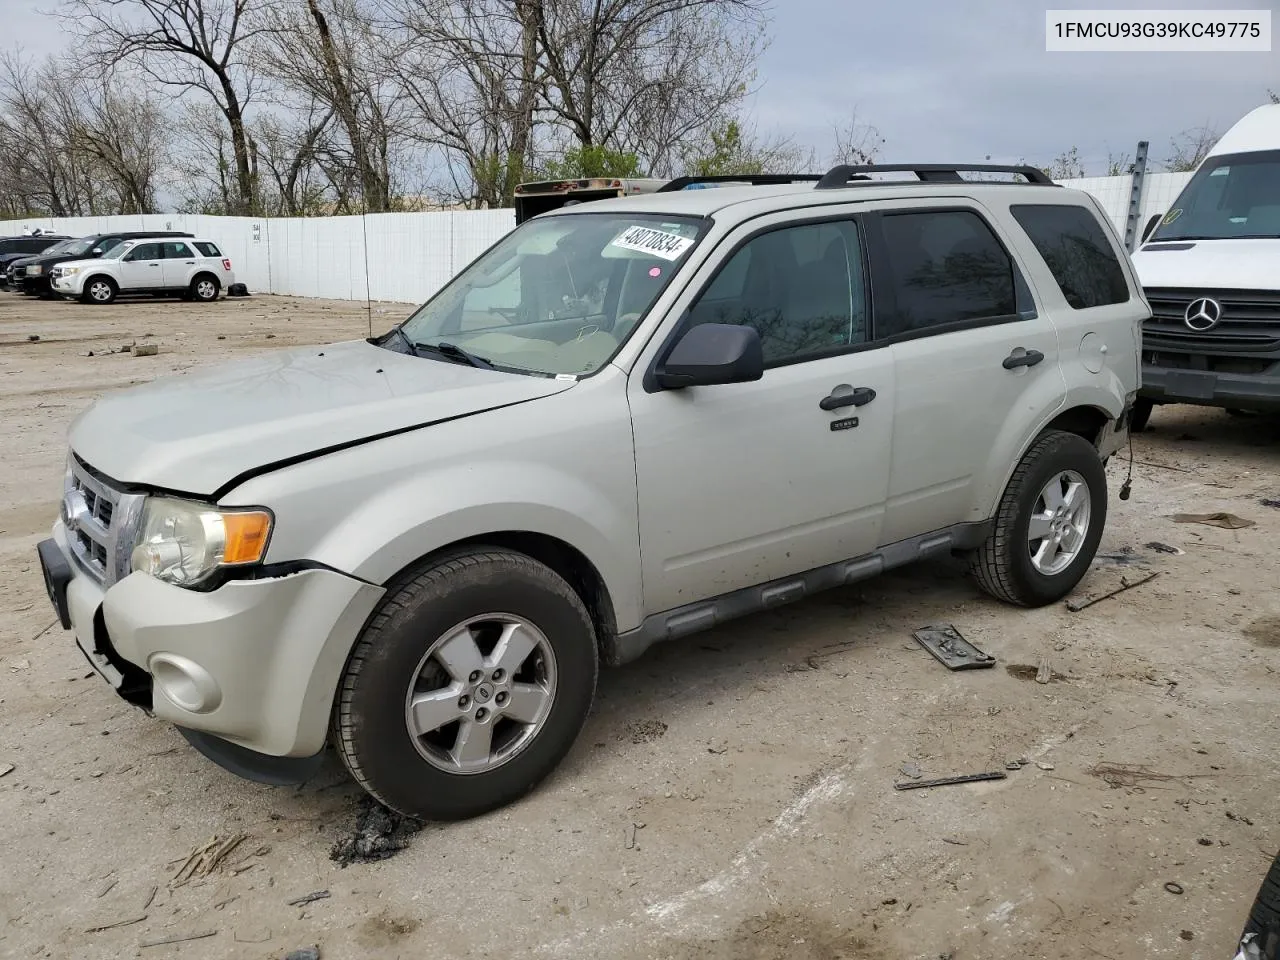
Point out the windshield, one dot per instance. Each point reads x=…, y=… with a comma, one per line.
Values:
x=557, y=295
x=77, y=247
x=1231, y=196
x=58, y=247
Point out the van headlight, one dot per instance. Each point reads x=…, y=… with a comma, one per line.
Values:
x=184, y=542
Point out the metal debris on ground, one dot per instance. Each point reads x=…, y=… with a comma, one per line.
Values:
x=1174, y=888
x=306, y=898
x=119, y=923
x=1075, y=606
x=1159, y=547
x=951, y=649
x=182, y=939
x=206, y=859
x=1227, y=521
x=949, y=781
x=379, y=833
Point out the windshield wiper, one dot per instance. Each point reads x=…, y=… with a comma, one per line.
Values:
x=454, y=352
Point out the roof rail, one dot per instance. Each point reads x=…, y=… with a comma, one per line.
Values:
x=754, y=179
x=840, y=176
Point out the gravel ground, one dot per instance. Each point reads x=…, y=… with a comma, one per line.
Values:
x=732, y=796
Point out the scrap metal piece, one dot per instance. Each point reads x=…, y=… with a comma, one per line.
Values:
x=951, y=649
x=948, y=781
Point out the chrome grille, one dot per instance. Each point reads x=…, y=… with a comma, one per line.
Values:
x=101, y=523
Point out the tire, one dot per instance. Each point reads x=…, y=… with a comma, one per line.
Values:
x=397, y=659
x=1140, y=415
x=99, y=290
x=1004, y=566
x=1264, y=915
x=204, y=288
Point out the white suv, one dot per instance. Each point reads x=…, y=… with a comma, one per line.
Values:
x=629, y=420
x=192, y=269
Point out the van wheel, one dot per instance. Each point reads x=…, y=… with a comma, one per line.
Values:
x=204, y=288
x=468, y=686
x=1140, y=414
x=1048, y=524
x=99, y=290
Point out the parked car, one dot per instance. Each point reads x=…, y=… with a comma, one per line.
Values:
x=192, y=269
x=13, y=249
x=622, y=424
x=34, y=279
x=1208, y=269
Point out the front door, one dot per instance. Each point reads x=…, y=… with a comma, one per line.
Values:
x=141, y=268
x=975, y=363
x=743, y=483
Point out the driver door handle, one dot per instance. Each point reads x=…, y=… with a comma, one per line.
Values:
x=1027, y=358
x=846, y=396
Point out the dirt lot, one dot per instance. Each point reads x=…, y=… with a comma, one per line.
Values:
x=732, y=797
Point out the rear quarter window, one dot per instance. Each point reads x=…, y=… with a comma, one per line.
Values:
x=207, y=249
x=1077, y=252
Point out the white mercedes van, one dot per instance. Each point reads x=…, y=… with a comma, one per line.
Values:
x=1208, y=266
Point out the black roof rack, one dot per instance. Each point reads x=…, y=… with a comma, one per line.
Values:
x=755, y=179
x=840, y=176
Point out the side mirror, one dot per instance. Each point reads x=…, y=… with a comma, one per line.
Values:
x=710, y=354
x=1150, y=227
x=96, y=251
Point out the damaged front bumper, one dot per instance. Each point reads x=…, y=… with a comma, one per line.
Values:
x=253, y=664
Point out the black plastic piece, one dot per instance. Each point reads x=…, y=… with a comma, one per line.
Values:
x=755, y=179
x=846, y=396
x=237, y=290
x=1028, y=358
x=251, y=765
x=713, y=353
x=57, y=574
x=840, y=176
x=951, y=649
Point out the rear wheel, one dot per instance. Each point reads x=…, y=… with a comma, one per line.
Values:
x=99, y=290
x=1048, y=523
x=469, y=685
x=204, y=288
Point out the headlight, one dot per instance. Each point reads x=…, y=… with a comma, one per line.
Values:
x=66, y=271
x=35, y=270
x=184, y=542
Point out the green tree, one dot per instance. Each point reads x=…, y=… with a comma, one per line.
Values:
x=593, y=160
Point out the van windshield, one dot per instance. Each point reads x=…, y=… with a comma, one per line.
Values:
x=557, y=295
x=1232, y=196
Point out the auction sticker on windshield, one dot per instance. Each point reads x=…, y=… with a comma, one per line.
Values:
x=658, y=243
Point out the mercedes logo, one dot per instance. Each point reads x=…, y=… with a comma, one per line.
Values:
x=1203, y=314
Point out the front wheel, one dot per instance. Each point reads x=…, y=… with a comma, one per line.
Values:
x=99, y=290
x=1048, y=523
x=468, y=686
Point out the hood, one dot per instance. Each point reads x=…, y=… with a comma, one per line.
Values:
x=196, y=433
x=1209, y=264
x=73, y=261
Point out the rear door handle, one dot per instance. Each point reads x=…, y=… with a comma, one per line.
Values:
x=1025, y=358
x=847, y=396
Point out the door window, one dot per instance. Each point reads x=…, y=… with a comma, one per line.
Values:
x=176, y=250
x=945, y=267
x=145, y=251
x=801, y=288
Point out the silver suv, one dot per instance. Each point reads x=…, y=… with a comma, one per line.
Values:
x=628, y=421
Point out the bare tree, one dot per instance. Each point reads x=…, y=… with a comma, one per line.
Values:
x=1188, y=148
x=127, y=138
x=291, y=183
x=185, y=45
x=856, y=142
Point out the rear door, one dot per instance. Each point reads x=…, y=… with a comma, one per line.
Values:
x=976, y=363
x=180, y=264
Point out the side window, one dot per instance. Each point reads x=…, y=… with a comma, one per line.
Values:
x=176, y=250
x=143, y=251
x=800, y=287
x=8, y=246
x=34, y=245
x=944, y=267
x=1076, y=250
x=207, y=249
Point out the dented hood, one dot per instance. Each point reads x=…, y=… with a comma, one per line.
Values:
x=197, y=432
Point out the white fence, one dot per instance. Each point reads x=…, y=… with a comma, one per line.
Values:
x=406, y=257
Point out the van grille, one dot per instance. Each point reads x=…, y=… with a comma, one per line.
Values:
x=1249, y=323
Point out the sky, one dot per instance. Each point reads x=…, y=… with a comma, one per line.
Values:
x=951, y=80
